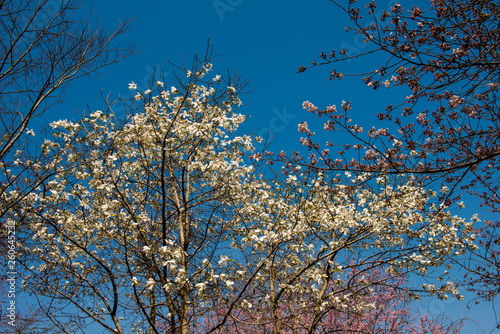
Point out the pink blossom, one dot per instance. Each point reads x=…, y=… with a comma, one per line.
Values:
x=346, y=105
x=397, y=8
x=493, y=86
x=329, y=126
x=303, y=127
x=455, y=101
x=309, y=106
x=333, y=108
x=306, y=142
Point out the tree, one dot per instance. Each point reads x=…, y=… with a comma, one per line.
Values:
x=445, y=130
x=168, y=220
x=390, y=311
x=44, y=46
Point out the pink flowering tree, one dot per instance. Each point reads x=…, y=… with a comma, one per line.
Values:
x=442, y=57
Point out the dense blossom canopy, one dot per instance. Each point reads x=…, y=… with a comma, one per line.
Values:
x=158, y=222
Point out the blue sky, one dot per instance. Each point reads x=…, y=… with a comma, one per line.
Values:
x=265, y=41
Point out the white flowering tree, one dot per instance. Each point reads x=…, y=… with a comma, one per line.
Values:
x=161, y=225
x=313, y=246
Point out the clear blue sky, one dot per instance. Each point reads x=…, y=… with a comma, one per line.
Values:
x=265, y=41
